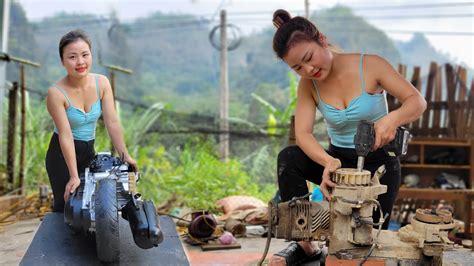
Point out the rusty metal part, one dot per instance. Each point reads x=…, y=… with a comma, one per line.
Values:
x=344, y=254
x=433, y=216
x=351, y=177
x=297, y=219
x=301, y=220
x=202, y=225
x=429, y=230
x=352, y=203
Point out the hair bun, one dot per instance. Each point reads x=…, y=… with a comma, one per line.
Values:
x=280, y=17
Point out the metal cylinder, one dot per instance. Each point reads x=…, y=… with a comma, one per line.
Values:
x=202, y=225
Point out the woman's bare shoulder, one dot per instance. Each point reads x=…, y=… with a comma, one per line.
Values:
x=101, y=77
x=374, y=60
x=376, y=65
x=55, y=97
x=54, y=91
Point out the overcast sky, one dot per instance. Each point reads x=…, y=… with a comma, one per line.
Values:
x=449, y=25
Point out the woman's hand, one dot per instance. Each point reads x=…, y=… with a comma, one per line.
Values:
x=331, y=167
x=131, y=162
x=71, y=186
x=385, y=131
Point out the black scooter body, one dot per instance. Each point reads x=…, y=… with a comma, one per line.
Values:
x=144, y=223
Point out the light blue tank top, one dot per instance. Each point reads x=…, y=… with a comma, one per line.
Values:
x=83, y=124
x=342, y=124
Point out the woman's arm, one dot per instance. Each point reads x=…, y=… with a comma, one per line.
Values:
x=55, y=103
x=304, y=122
x=413, y=104
x=112, y=123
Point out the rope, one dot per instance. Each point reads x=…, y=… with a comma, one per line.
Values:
x=269, y=234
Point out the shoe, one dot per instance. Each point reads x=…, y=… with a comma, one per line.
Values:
x=294, y=254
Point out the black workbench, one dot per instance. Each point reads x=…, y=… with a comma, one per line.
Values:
x=54, y=244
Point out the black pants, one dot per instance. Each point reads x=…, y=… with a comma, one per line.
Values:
x=295, y=167
x=58, y=172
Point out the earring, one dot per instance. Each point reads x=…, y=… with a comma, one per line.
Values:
x=322, y=38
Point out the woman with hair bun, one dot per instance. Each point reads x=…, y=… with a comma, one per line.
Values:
x=346, y=88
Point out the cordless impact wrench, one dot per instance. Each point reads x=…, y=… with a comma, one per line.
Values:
x=364, y=141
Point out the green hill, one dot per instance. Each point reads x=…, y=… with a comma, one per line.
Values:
x=174, y=62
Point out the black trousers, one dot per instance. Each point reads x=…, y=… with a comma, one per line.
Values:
x=295, y=167
x=58, y=172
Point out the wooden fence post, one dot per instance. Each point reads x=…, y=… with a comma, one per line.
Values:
x=22, y=129
x=12, y=109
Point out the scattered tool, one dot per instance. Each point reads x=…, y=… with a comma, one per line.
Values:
x=364, y=141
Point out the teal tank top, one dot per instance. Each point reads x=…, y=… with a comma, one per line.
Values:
x=83, y=124
x=342, y=124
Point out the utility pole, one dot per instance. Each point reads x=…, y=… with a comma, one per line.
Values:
x=4, y=27
x=224, y=92
x=306, y=9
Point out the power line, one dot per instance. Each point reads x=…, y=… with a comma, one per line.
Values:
x=413, y=6
x=431, y=32
x=384, y=17
x=301, y=11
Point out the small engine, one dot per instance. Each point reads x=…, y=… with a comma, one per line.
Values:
x=353, y=200
x=345, y=222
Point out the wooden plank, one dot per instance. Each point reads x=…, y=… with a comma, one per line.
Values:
x=467, y=206
x=11, y=136
x=429, y=132
x=392, y=248
x=437, y=98
x=434, y=194
x=451, y=85
x=461, y=98
x=402, y=69
x=471, y=113
x=441, y=142
x=436, y=166
x=471, y=161
x=428, y=95
x=207, y=247
x=416, y=82
x=332, y=260
x=443, y=105
x=456, y=257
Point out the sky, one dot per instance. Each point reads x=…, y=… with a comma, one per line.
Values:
x=448, y=25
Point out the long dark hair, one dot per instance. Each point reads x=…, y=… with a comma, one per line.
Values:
x=291, y=31
x=71, y=37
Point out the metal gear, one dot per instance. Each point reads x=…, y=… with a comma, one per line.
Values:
x=433, y=216
x=351, y=177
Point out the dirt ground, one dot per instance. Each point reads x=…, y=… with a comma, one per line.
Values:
x=15, y=239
